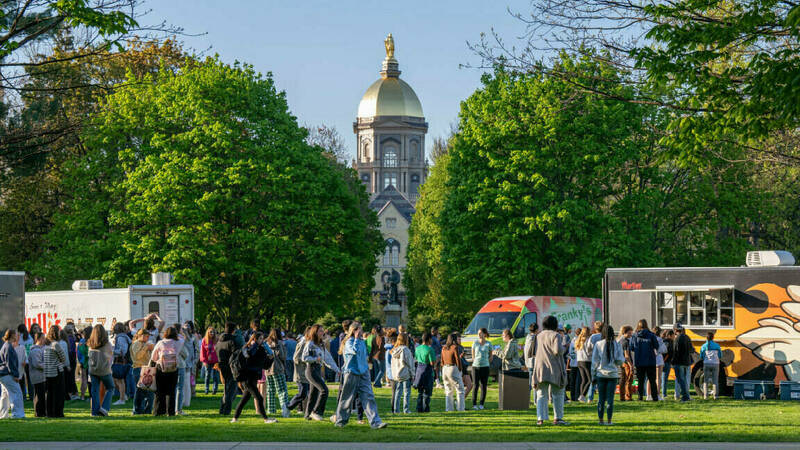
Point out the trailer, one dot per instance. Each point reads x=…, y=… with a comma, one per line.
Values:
x=753, y=310
x=12, y=299
x=85, y=306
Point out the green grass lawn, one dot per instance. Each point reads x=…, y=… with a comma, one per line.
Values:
x=698, y=420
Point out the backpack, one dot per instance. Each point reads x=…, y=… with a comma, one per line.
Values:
x=238, y=364
x=83, y=354
x=168, y=359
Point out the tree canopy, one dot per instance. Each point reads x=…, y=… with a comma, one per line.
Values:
x=205, y=173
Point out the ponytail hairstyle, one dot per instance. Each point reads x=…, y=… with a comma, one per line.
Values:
x=608, y=335
x=351, y=331
x=710, y=336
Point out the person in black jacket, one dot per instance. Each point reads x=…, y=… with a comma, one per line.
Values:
x=256, y=356
x=681, y=360
x=225, y=348
x=643, y=348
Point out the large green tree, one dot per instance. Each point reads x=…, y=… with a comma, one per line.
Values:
x=545, y=185
x=206, y=174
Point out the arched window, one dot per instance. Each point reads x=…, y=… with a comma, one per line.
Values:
x=365, y=151
x=391, y=253
x=389, y=157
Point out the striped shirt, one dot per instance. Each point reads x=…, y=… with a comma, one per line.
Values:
x=54, y=359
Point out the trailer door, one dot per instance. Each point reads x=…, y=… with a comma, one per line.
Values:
x=628, y=307
x=166, y=306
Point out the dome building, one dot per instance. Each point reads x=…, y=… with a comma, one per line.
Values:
x=390, y=160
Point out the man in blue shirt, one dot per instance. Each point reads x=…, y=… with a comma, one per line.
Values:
x=356, y=380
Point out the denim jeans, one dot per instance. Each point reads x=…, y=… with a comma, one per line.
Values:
x=11, y=400
x=402, y=393
x=543, y=393
x=108, y=382
x=380, y=370
x=142, y=398
x=179, y=389
x=605, y=389
x=665, y=379
x=356, y=386
x=682, y=381
x=210, y=375
x=130, y=383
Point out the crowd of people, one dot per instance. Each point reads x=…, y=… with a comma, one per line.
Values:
x=157, y=366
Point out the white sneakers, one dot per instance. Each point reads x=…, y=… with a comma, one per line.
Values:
x=119, y=402
x=315, y=416
x=234, y=420
x=270, y=420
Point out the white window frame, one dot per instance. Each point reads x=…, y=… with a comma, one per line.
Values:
x=389, y=178
x=697, y=290
x=390, y=161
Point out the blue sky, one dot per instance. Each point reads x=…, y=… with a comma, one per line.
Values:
x=326, y=54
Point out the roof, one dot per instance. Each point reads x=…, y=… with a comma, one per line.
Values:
x=392, y=195
x=390, y=97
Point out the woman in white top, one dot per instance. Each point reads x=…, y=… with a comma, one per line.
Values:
x=582, y=352
x=481, y=353
x=607, y=357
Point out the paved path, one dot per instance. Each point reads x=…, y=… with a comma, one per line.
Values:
x=392, y=446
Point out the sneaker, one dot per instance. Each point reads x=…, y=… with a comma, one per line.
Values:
x=181, y=413
x=119, y=402
x=581, y=399
x=610, y=423
x=270, y=420
x=602, y=423
x=649, y=398
x=103, y=412
x=333, y=418
x=379, y=426
x=540, y=422
x=361, y=422
x=234, y=420
x=560, y=422
x=74, y=397
x=285, y=412
x=481, y=406
x=476, y=407
x=316, y=417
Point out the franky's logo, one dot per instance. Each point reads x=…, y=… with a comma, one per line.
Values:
x=631, y=286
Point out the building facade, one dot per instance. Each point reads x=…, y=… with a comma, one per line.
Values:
x=390, y=159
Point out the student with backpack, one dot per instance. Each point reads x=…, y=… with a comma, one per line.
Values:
x=165, y=356
x=122, y=364
x=100, y=359
x=141, y=352
x=246, y=367
x=711, y=353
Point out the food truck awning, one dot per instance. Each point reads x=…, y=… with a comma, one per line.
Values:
x=694, y=288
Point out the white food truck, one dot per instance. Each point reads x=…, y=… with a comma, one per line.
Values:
x=89, y=304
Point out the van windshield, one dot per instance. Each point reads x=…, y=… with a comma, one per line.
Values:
x=494, y=322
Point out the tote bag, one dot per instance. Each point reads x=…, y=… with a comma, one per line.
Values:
x=147, y=379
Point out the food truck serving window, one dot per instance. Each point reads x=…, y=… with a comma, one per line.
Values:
x=699, y=307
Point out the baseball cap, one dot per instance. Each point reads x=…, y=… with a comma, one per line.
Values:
x=567, y=327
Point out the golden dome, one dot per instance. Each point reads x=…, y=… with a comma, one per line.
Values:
x=390, y=96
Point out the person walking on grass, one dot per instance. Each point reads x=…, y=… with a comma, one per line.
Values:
x=402, y=370
x=607, y=358
x=299, y=400
x=711, y=353
x=313, y=357
x=277, y=393
x=256, y=359
x=209, y=359
x=584, y=357
x=644, y=346
x=423, y=378
x=451, y=374
x=356, y=380
x=100, y=359
x=165, y=356
x=226, y=346
x=549, y=372
x=481, y=353
x=141, y=351
x=12, y=403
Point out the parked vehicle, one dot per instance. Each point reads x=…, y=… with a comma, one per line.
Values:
x=753, y=310
x=89, y=304
x=12, y=299
x=517, y=313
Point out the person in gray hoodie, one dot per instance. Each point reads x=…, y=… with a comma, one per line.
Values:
x=299, y=376
x=36, y=371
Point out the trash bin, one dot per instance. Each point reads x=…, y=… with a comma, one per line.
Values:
x=790, y=390
x=515, y=393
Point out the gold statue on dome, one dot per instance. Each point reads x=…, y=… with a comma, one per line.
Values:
x=389, y=43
